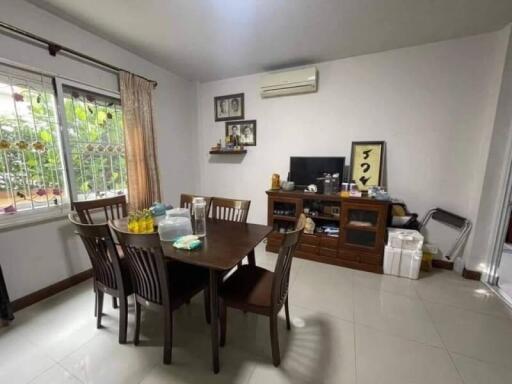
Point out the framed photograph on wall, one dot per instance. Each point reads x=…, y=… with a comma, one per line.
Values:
x=242, y=132
x=367, y=163
x=229, y=107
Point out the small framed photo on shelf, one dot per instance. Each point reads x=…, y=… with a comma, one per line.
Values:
x=242, y=132
x=229, y=107
x=367, y=163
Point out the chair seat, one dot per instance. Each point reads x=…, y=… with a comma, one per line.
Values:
x=186, y=281
x=248, y=286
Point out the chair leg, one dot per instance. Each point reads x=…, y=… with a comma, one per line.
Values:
x=99, y=295
x=168, y=338
x=136, y=337
x=274, y=339
x=114, y=302
x=207, y=305
x=223, y=322
x=287, y=312
x=123, y=319
x=95, y=303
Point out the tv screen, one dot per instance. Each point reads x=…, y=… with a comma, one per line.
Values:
x=305, y=170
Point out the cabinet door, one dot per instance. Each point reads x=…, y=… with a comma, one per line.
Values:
x=363, y=226
x=283, y=209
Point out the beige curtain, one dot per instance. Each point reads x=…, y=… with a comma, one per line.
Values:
x=141, y=159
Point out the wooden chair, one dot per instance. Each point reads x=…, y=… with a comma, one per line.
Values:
x=109, y=271
x=230, y=210
x=257, y=290
x=112, y=207
x=158, y=284
x=186, y=202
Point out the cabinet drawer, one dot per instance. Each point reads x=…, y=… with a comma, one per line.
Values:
x=327, y=252
x=345, y=254
x=310, y=239
x=370, y=258
x=308, y=248
x=329, y=242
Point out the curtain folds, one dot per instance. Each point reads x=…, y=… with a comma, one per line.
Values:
x=141, y=157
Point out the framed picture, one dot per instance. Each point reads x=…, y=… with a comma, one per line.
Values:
x=242, y=132
x=366, y=163
x=229, y=107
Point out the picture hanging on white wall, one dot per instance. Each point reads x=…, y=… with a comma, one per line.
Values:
x=229, y=107
x=242, y=132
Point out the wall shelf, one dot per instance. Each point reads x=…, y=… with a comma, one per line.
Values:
x=239, y=152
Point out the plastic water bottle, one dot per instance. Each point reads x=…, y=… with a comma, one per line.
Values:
x=199, y=210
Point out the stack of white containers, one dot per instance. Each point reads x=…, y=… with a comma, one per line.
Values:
x=403, y=254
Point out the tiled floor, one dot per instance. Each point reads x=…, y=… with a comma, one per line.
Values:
x=349, y=327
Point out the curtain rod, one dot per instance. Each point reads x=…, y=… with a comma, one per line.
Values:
x=54, y=48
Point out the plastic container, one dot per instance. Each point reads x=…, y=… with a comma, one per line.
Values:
x=407, y=239
x=402, y=262
x=171, y=228
x=178, y=212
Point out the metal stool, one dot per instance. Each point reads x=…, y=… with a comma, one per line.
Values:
x=452, y=220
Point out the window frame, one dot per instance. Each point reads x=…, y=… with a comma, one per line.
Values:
x=60, y=83
x=41, y=215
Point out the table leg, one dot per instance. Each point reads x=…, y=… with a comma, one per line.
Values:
x=251, y=257
x=214, y=318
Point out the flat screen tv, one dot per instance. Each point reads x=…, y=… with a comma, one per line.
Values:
x=305, y=170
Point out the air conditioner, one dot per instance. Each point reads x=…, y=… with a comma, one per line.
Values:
x=289, y=82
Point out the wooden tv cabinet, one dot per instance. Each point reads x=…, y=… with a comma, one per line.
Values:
x=362, y=226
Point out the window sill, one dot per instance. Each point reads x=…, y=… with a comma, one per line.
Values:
x=21, y=220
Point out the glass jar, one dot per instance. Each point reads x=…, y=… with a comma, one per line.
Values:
x=199, y=213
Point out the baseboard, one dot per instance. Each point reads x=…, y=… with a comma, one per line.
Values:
x=51, y=290
x=471, y=275
x=442, y=264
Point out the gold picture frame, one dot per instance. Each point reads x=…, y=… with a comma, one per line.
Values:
x=367, y=163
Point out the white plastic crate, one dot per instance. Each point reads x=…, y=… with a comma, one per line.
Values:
x=402, y=262
x=408, y=239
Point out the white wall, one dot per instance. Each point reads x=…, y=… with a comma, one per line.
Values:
x=498, y=162
x=433, y=104
x=37, y=256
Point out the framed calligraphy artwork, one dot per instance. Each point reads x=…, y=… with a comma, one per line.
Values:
x=366, y=163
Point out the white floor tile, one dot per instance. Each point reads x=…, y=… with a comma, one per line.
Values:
x=477, y=372
x=103, y=360
x=444, y=288
x=386, y=283
x=55, y=375
x=484, y=337
x=324, y=288
x=20, y=360
x=396, y=314
x=320, y=349
x=349, y=327
x=384, y=359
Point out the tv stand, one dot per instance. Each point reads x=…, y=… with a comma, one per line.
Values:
x=361, y=221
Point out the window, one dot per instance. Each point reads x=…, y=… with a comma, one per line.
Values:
x=43, y=167
x=95, y=144
x=31, y=171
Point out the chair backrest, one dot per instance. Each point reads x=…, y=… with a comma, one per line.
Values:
x=112, y=207
x=186, y=202
x=230, y=210
x=145, y=260
x=283, y=266
x=102, y=252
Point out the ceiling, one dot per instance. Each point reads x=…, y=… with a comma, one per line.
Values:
x=214, y=39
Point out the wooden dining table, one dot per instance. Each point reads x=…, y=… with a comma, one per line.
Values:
x=225, y=245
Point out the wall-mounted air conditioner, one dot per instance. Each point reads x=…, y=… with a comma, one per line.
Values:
x=289, y=82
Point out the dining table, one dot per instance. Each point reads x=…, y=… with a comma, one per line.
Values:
x=224, y=247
